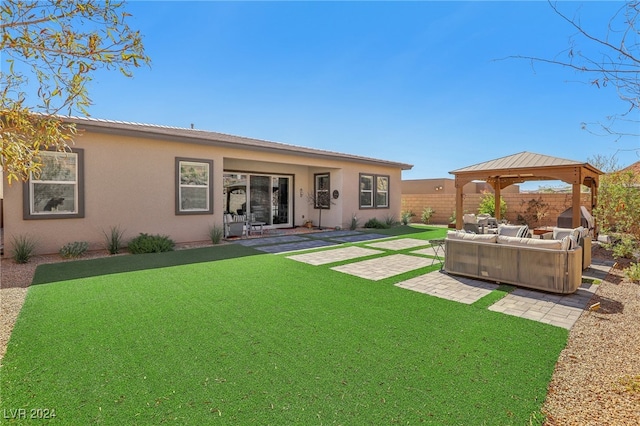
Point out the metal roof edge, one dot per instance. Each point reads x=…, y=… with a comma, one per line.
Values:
x=209, y=137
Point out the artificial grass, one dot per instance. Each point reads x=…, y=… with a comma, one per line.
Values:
x=267, y=340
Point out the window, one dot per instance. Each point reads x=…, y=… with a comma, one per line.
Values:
x=321, y=191
x=57, y=192
x=194, y=186
x=374, y=191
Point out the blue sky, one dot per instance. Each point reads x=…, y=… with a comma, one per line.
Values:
x=414, y=82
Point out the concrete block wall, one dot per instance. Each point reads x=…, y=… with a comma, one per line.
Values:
x=517, y=203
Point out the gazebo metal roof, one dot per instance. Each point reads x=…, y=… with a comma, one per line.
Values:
x=528, y=166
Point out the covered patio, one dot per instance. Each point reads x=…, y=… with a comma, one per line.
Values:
x=527, y=166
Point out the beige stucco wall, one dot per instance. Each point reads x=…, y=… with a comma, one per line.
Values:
x=130, y=183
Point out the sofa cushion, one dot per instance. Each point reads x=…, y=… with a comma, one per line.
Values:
x=513, y=230
x=560, y=233
x=530, y=242
x=459, y=235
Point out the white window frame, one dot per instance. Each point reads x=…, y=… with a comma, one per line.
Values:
x=380, y=192
x=374, y=192
x=54, y=212
x=318, y=191
x=208, y=186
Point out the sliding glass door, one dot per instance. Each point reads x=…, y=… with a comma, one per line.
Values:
x=266, y=197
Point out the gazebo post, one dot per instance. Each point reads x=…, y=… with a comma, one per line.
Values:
x=497, y=199
x=459, y=195
x=575, y=205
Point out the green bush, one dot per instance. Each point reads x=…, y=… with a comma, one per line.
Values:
x=375, y=223
x=215, y=234
x=113, y=239
x=405, y=217
x=74, y=249
x=633, y=272
x=23, y=247
x=623, y=247
x=390, y=221
x=488, y=205
x=355, y=222
x=145, y=243
x=427, y=213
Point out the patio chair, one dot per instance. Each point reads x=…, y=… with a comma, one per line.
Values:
x=471, y=227
x=234, y=225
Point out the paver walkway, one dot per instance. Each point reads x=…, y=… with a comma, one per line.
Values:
x=401, y=244
x=381, y=268
x=558, y=310
x=458, y=289
x=334, y=255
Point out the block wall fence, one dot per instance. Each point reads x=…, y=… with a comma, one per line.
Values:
x=444, y=205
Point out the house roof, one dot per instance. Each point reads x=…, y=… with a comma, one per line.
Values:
x=217, y=139
x=635, y=168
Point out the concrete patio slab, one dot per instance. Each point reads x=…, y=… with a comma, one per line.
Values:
x=401, y=244
x=334, y=255
x=385, y=267
x=458, y=289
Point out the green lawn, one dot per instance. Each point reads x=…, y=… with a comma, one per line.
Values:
x=227, y=335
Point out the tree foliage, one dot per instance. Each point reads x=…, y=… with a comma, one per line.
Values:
x=50, y=51
x=488, y=205
x=618, y=209
x=616, y=63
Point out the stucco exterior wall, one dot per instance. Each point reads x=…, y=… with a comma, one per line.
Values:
x=130, y=182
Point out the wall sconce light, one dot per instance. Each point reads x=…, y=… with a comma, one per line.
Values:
x=439, y=188
x=301, y=192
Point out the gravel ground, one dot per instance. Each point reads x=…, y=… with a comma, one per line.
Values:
x=596, y=380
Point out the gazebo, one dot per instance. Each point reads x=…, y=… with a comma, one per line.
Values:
x=528, y=166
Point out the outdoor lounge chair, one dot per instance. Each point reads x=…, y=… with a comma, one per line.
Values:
x=234, y=225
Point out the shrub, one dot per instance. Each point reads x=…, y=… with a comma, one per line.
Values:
x=405, y=217
x=633, y=272
x=74, y=249
x=534, y=213
x=145, y=243
x=488, y=205
x=215, y=234
x=355, y=222
x=426, y=215
x=375, y=223
x=113, y=239
x=390, y=221
x=624, y=247
x=23, y=247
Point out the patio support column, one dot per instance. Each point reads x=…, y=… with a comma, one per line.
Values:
x=575, y=193
x=459, y=196
x=497, y=199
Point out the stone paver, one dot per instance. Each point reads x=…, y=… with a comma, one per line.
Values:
x=333, y=234
x=430, y=251
x=401, y=244
x=300, y=245
x=359, y=237
x=384, y=267
x=555, y=309
x=458, y=289
x=252, y=242
x=334, y=255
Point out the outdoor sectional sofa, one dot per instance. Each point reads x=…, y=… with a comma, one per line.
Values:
x=542, y=264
